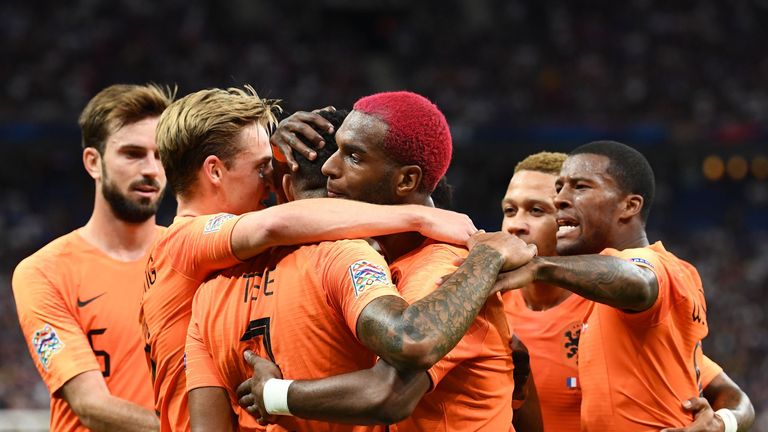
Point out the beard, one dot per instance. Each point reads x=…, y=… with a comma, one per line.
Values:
x=128, y=210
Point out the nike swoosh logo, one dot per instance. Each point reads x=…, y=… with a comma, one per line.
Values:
x=84, y=303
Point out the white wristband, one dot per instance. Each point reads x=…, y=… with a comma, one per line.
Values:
x=276, y=396
x=729, y=419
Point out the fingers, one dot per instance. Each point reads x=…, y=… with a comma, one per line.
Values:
x=330, y=108
x=695, y=404
x=246, y=401
x=250, y=357
x=244, y=388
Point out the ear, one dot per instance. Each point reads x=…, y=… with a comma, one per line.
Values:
x=287, y=184
x=92, y=162
x=213, y=170
x=408, y=179
x=632, y=206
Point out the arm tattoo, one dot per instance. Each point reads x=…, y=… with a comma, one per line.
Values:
x=416, y=336
x=604, y=279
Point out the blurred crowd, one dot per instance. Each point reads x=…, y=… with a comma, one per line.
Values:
x=688, y=77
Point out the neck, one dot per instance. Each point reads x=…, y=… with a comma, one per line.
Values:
x=540, y=296
x=635, y=238
x=120, y=240
x=196, y=206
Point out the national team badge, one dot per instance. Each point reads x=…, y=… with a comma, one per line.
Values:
x=46, y=343
x=214, y=223
x=365, y=274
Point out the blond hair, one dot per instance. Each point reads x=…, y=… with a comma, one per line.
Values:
x=206, y=123
x=546, y=162
x=119, y=105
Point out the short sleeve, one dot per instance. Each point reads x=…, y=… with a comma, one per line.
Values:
x=198, y=363
x=709, y=370
x=56, y=342
x=647, y=259
x=203, y=245
x=355, y=275
x=421, y=279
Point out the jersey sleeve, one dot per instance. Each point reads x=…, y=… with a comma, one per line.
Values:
x=199, y=366
x=203, y=245
x=709, y=370
x=647, y=259
x=56, y=342
x=354, y=275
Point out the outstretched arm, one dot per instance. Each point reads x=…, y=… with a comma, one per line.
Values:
x=379, y=395
x=320, y=219
x=604, y=279
x=415, y=337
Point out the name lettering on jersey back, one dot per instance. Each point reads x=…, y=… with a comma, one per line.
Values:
x=150, y=274
x=257, y=281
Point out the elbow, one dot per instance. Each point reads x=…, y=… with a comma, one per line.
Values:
x=644, y=294
x=85, y=408
x=416, y=356
x=389, y=406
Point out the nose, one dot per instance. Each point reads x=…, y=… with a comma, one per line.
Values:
x=516, y=225
x=330, y=167
x=152, y=167
x=563, y=198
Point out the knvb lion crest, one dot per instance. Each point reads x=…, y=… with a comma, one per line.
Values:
x=571, y=334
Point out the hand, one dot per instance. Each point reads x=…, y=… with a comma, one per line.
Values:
x=704, y=418
x=300, y=124
x=515, y=252
x=250, y=393
x=446, y=226
x=515, y=279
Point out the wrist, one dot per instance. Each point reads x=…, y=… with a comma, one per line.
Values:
x=728, y=418
x=275, y=395
x=540, y=267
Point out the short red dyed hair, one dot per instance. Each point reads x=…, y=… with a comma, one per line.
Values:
x=417, y=132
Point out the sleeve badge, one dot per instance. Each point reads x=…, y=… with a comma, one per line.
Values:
x=46, y=343
x=365, y=274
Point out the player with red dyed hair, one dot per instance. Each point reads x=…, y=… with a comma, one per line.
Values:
x=393, y=148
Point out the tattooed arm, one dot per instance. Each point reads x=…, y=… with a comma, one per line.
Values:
x=604, y=279
x=415, y=337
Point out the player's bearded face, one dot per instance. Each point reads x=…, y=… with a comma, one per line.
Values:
x=125, y=208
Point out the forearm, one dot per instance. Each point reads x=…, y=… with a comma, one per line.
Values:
x=319, y=219
x=604, y=279
x=111, y=414
x=528, y=416
x=379, y=395
x=722, y=392
x=429, y=328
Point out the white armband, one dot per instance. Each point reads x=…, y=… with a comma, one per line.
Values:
x=276, y=396
x=729, y=419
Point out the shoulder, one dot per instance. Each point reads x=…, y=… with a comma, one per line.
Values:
x=52, y=254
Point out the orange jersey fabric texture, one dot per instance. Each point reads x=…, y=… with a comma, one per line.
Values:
x=295, y=306
x=191, y=249
x=552, y=339
x=637, y=368
x=77, y=308
x=472, y=385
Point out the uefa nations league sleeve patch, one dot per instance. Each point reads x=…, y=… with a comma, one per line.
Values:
x=46, y=343
x=215, y=222
x=365, y=274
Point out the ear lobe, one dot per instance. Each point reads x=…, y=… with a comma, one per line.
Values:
x=213, y=170
x=408, y=179
x=633, y=205
x=92, y=162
